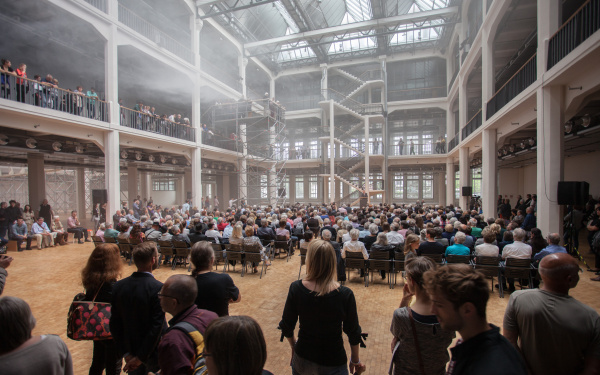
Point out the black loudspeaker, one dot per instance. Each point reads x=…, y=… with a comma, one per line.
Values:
x=573, y=192
x=99, y=196
x=281, y=192
x=467, y=191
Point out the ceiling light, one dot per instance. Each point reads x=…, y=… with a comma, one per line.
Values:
x=522, y=144
x=56, y=146
x=138, y=156
x=151, y=158
x=205, y=165
x=3, y=140
x=163, y=159
x=586, y=120
x=124, y=154
x=31, y=143
x=531, y=141
x=79, y=149
x=511, y=148
x=500, y=153
x=568, y=126
x=504, y=151
x=174, y=161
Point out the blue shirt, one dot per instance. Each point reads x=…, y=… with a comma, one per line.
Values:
x=19, y=230
x=227, y=231
x=37, y=229
x=529, y=222
x=551, y=249
x=457, y=249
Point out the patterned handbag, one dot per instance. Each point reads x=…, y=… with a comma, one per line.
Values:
x=88, y=320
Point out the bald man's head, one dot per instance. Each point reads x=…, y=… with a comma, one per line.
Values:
x=559, y=270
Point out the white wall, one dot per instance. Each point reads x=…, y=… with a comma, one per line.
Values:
x=515, y=181
x=164, y=198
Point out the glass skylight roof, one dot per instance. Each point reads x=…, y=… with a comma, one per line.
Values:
x=360, y=10
x=295, y=51
x=421, y=31
x=362, y=41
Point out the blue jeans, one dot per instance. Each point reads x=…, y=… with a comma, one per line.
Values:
x=301, y=366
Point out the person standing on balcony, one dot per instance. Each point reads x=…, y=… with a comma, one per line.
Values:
x=92, y=95
x=79, y=94
x=412, y=147
x=375, y=146
x=438, y=145
x=22, y=85
x=443, y=145
x=401, y=146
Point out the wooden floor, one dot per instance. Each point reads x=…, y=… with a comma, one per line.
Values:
x=48, y=280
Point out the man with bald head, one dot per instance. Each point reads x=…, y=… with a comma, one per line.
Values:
x=557, y=333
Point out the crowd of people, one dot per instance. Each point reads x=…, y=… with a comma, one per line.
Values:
x=437, y=301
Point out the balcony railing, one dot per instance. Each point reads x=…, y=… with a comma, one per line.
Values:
x=145, y=28
x=99, y=4
x=155, y=124
x=44, y=95
x=474, y=123
x=418, y=93
x=522, y=79
x=310, y=102
x=453, y=142
x=572, y=33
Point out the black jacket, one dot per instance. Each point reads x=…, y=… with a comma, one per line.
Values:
x=137, y=320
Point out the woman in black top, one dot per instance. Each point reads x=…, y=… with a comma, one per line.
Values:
x=325, y=309
x=98, y=277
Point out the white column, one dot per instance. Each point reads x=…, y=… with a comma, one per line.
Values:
x=292, y=192
x=272, y=176
x=462, y=103
x=463, y=161
x=243, y=173
x=179, y=191
x=80, y=186
x=132, y=184
x=187, y=184
x=112, y=171
x=332, y=152
x=367, y=172
x=145, y=184
x=224, y=192
x=441, y=184
x=449, y=125
x=272, y=88
x=196, y=156
x=487, y=71
x=450, y=193
x=548, y=22
x=550, y=144
x=489, y=167
x=324, y=81
x=242, y=63
x=36, y=178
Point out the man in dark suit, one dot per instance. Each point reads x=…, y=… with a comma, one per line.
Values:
x=265, y=232
x=137, y=320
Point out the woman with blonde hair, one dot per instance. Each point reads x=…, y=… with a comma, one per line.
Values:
x=412, y=244
x=324, y=309
x=98, y=277
x=237, y=236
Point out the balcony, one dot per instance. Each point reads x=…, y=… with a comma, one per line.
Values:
x=157, y=125
x=453, y=142
x=522, y=79
x=98, y=4
x=572, y=33
x=46, y=95
x=474, y=123
x=417, y=93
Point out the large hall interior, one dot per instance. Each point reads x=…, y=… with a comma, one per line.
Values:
x=292, y=103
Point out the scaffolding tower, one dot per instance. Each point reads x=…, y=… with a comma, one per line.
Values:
x=257, y=129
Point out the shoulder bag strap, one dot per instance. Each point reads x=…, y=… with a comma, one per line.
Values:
x=414, y=330
x=98, y=291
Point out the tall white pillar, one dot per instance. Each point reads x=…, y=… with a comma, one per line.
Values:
x=243, y=173
x=145, y=184
x=450, y=183
x=449, y=125
x=464, y=166
x=331, y=152
x=112, y=171
x=187, y=184
x=324, y=79
x=196, y=177
x=132, y=184
x=487, y=71
x=272, y=176
x=462, y=103
x=242, y=63
x=80, y=186
x=36, y=178
x=548, y=22
x=272, y=88
x=179, y=190
x=489, y=172
x=292, y=192
x=441, y=185
x=550, y=145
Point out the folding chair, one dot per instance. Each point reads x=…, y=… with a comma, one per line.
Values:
x=518, y=269
x=380, y=261
x=166, y=250
x=125, y=248
x=302, y=260
x=252, y=255
x=234, y=253
x=110, y=240
x=282, y=243
x=490, y=267
x=437, y=258
x=134, y=242
x=398, y=264
x=182, y=252
x=97, y=240
x=219, y=254
x=355, y=260
x=465, y=259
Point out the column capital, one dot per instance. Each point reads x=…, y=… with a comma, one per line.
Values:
x=199, y=24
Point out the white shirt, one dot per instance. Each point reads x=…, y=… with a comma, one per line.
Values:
x=518, y=250
x=394, y=238
x=487, y=250
x=354, y=246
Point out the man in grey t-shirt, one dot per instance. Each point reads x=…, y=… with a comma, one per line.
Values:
x=558, y=334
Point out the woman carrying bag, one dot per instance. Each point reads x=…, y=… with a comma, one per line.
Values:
x=102, y=270
x=419, y=346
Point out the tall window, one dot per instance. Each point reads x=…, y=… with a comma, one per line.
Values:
x=399, y=185
x=427, y=140
x=264, y=190
x=412, y=186
x=314, y=151
x=166, y=183
x=313, y=187
x=476, y=173
x=300, y=187
x=427, y=186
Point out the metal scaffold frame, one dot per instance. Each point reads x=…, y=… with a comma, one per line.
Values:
x=258, y=130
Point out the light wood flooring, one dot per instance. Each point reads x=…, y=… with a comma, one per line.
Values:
x=48, y=279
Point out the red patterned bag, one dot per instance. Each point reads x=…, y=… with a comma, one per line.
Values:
x=88, y=320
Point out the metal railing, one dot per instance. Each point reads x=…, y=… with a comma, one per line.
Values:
x=417, y=93
x=453, y=142
x=351, y=104
x=368, y=75
x=155, y=124
x=147, y=29
x=474, y=123
x=46, y=95
x=311, y=102
x=417, y=149
x=99, y=4
x=580, y=26
x=522, y=79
